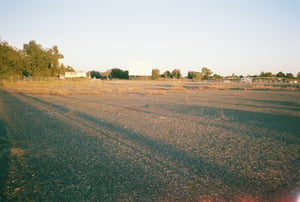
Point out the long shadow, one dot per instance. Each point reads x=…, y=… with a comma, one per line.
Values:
x=68, y=165
x=288, y=125
x=5, y=147
x=289, y=105
x=4, y=159
x=195, y=165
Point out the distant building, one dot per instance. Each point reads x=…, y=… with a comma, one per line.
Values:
x=140, y=68
x=246, y=80
x=60, y=76
x=79, y=74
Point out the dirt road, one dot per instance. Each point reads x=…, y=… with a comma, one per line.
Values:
x=202, y=145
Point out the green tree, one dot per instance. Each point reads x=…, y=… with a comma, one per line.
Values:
x=41, y=62
x=217, y=76
x=298, y=75
x=155, y=74
x=11, y=60
x=280, y=74
x=266, y=74
x=176, y=74
x=289, y=75
x=194, y=75
x=33, y=60
x=119, y=74
x=206, y=73
x=54, y=57
x=95, y=74
x=166, y=74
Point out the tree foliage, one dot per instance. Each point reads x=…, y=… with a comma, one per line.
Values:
x=176, y=74
x=41, y=62
x=206, y=73
x=12, y=61
x=289, y=75
x=95, y=74
x=217, y=76
x=266, y=74
x=166, y=74
x=119, y=74
x=33, y=60
x=155, y=74
x=194, y=75
x=280, y=74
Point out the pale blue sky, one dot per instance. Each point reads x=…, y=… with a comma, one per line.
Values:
x=228, y=36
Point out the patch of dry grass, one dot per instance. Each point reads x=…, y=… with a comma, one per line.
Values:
x=177, y=88
x=58, y=89
x=270, y=87
x=214, y=87
x=156, y=92
x=17, y=152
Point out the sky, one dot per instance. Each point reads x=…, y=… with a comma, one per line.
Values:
x=227, y=36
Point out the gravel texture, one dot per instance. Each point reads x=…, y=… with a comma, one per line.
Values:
x=126, y=145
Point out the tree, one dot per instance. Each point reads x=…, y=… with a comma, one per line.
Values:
x=289, y=75
x=155, y=74
x=176, y=74
x=106, y=74
x=119, y=74
x=11, y=60
x=206, y=73
x=217, y=76
x=40, y=61
x=298, y=75
x=54, y=57
x=95, y=74
x=166, y=74
x=280, y=74
x=33, y=60
x=194, y=75
x=266, y=74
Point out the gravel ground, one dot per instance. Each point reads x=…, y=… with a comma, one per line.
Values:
x=213, y=145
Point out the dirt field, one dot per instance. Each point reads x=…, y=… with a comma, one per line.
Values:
x=148, y=141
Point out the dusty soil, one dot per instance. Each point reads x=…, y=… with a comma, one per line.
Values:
x=149, y=142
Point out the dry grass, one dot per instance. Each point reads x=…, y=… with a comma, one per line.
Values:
x=156, y=92
x=270, y=87
x=98, y=87
x=57, y=88
x=17, y=152
x=214, y=87
x=177, y=88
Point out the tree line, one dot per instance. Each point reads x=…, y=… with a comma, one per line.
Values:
x=32, y=60
x=114, y=73
x=206, y=74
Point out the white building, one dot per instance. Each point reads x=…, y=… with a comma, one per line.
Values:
x=79, y=74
